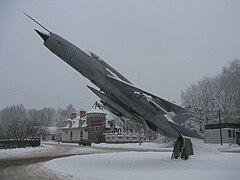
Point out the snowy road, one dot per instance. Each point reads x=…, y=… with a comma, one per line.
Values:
x=53, y=161
x=28, y=163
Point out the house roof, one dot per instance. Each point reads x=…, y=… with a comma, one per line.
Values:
x=51, y=130
x=223, y=125
x=75, y=122
x=93, y=110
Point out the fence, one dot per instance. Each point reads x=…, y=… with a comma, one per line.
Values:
x=9, y=144
x=123, y=138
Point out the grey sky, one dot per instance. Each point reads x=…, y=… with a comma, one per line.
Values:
x=161, y=46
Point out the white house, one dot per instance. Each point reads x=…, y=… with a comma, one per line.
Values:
x=94, y=127
x=75, y=130
x=230, y=133
x=85, y=129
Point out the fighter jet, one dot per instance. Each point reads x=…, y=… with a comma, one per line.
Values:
x=117, y=93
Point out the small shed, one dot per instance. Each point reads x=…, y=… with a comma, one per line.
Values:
x=51, y=134
x=230, y=133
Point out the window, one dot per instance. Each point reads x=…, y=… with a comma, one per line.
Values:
x=85, y=130
x=71, y=135
x=229, y=133
x=233, y=134
x=81, y=133
x=96, y=129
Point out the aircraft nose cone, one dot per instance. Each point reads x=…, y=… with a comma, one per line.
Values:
x=43, y=36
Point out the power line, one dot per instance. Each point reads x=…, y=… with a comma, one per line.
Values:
x=42, y=96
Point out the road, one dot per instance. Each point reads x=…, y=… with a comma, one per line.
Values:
x=32, y=166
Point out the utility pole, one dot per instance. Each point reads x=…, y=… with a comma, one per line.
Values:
x=220, y=126
x=140, y=143
x=41, y=136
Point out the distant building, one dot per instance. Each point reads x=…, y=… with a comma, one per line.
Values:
x=51, y=134
x=85, y=129
x=94, y=127
x=122, y=132
x=230, y=133
x=112, y=127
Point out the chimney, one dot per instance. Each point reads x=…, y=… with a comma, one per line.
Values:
x=73, y=115
x=82, y=113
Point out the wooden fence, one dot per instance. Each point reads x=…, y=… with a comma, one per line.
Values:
x=9, y=144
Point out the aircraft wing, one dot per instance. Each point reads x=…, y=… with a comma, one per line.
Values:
x=178, y=114
x=111, y=105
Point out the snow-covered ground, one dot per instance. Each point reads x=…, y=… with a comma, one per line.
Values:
x=207, y=163
x=147, y=165
x=24, y=152
x=49, y=148
x=147, y=146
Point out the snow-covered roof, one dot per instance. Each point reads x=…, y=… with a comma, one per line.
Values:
x=84, y=123
x=51, y=130
x=93, y=110
x=76, y=122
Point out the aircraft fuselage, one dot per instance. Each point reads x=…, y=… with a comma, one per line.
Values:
x=117, y=99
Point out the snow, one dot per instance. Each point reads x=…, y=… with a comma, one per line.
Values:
x=48, y=148
x=148, y=161
x=147, y=165
x=51, y=130
x=84, y=123
x=24, y=152
x=226, y=147
x=144, y=91
x=95, y=110
x=136, y=147
x=207, y=163
x=112, y=73
x=76, y=122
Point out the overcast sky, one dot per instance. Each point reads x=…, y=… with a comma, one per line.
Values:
x=161, y=46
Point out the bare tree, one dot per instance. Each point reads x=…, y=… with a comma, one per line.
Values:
x=16, y=124
x=47, y=115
